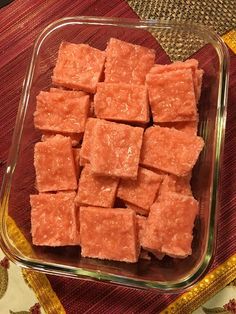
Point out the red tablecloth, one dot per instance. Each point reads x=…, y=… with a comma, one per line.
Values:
x=20, y=23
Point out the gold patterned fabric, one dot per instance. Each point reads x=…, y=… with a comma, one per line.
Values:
x=230, y=39
x=204, y=289
x=219, y=15
x=37, y=281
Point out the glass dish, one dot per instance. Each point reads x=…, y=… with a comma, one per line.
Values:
x=171, y=275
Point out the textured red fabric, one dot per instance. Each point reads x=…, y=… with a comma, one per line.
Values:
x=20, y=23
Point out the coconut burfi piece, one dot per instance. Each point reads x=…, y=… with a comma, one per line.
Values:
x=116, y=149
x=170, y=150
x=141, y=192
x=113, y=232
x=169, y=225
x=168, y=185
x=54, y=219
x=76, y=154
x=122, y=102
x=74, y=94
x=86, y=144
x=78, y=66
x=54, y=165
x=182, y=184
x=127, y=63
x=57, y=113
x=179, y=65
x=189, y=127
x=76, y=138
x=172, y=183
x=141, y=223
x=172, y=96
x=96, y=190
x=68, y=93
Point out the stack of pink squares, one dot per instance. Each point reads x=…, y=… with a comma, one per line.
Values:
x=119, y=141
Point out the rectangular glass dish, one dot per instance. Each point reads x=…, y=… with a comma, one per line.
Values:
x=168, y=275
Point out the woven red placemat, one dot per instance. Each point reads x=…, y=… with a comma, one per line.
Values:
x=20, y=23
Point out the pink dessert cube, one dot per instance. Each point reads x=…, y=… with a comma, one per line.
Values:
x=53, y=219
x=170, y=150
x=189, y=127
x=76, y=138
x=54, y=165
x=122, y=102
x=172, y=183
x=141, y=192
x=141, y=223
x=191, y=64
x=127, y=63
x=58, y=113
x=78, y=66
x=169, y=225
x=68, y=93
x=172, y=96
x=116, y=149
x=96, y=190
x=113, y=232
x=182, y=184
x=86, y=144
x=167, y=186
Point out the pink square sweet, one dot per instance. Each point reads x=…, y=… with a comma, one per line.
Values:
x=127, y=63
x=182, y=184
x=191, y=64
x=78, y=66
x=189, y=127
x=116, y=149
x=141, y=192
x=53, y=219
x=87, y=140
x=170, y=150
x=74, y=94
x=96, y=190
x=122, y=102
x=68, y=93
x=76, y=138
x=172, y=96
x=86, y=144
x=113, y=232
x=169, y=225
x=54, y=165
x=141, y=223
x=58, y=113
x=172, y=183
x=168, y=185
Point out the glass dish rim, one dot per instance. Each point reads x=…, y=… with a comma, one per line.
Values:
x=77, y=272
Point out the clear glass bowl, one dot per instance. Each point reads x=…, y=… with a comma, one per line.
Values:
x=19, y=181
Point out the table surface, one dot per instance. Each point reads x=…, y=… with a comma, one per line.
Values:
x=20, y=23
